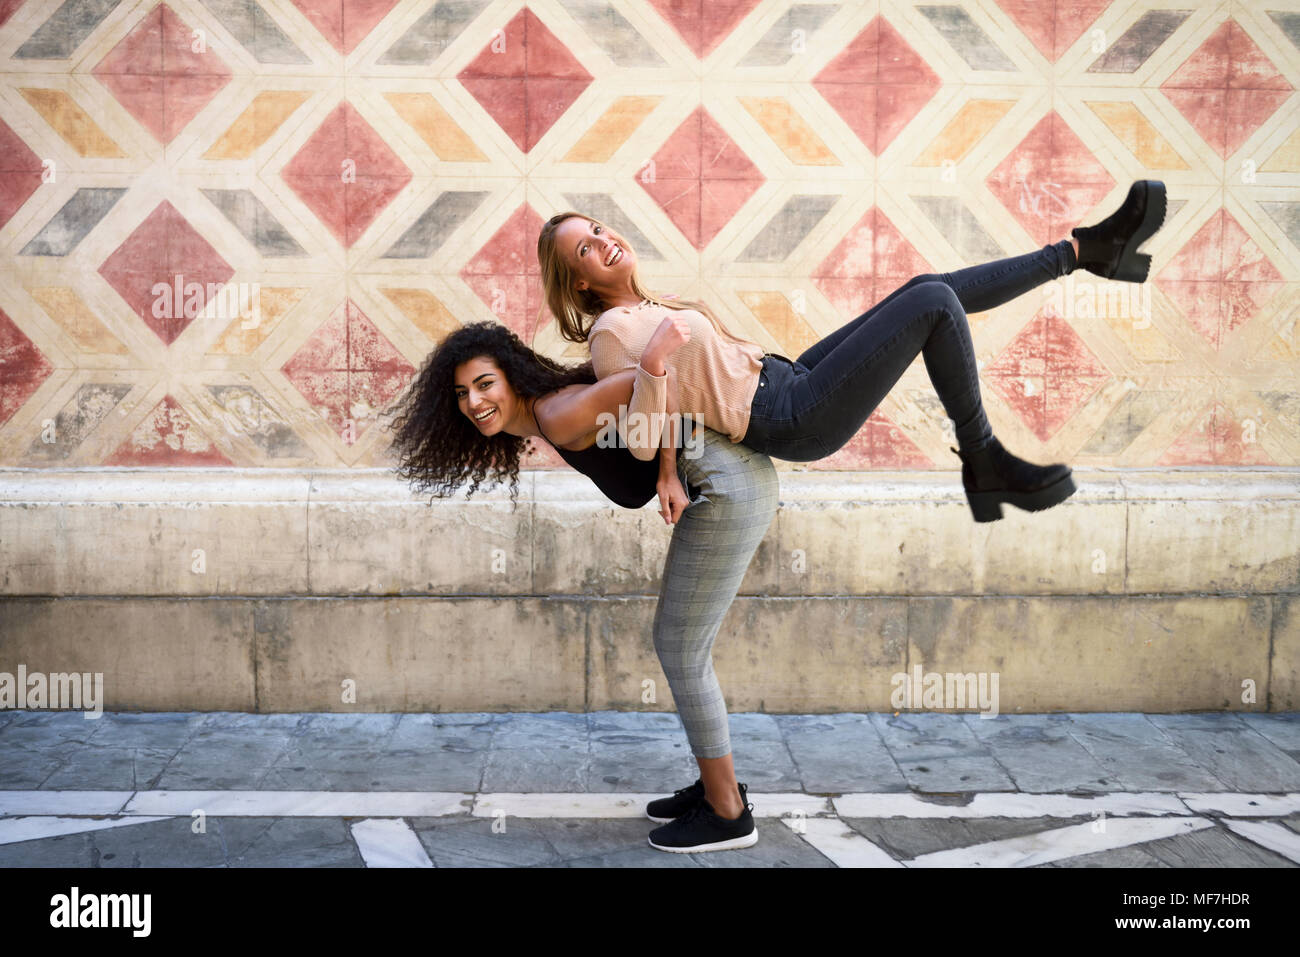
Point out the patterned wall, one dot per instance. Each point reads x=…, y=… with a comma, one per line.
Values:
x=325, y=188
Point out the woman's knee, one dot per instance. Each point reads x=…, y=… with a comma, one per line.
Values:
x=936, y=294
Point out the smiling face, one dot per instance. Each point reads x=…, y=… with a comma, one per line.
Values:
x=587, y=248
x=486, y=398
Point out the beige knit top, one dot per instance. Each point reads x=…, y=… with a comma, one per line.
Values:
x=717, y=374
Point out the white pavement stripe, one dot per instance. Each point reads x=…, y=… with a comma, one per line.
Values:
x=62, y=802
x=14, y=830
x=1276, y=837
x=1060, y=843
x=906, y=804
x=301, y=803
x=622, y=804
x=384, y=842
x=1243, y=805
x=844, y=846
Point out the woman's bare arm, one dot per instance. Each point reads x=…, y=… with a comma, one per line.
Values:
x=575, y=414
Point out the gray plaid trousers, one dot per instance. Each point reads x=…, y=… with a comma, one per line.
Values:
x=734, y=495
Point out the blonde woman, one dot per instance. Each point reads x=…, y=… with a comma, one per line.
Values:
x=807, y=409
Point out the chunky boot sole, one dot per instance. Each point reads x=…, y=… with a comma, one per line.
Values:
x=1134, y=266
x=987, y=506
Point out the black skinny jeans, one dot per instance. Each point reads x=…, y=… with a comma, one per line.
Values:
x=810, y=408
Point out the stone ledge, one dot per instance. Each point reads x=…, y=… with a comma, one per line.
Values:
x=778, y=655
x=282, y=532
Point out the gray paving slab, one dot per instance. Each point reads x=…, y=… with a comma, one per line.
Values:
x=558, y=730
x=1232, y=751
x=471, y=842
x=639, y=857
x=159, y=731
x=217, y=720
x=905, y=838
x=286, y=842
x=98, y=768
x=1138, y=755
x=1039, y=754
x=38, y=728
x=1283, y=730
x=777, y=846
x=536, y=769
x=168, y=843
x=1132, y=856
x=366, y=731
x=1213, y=847
x=236, y=758
x=659, y=767
x=351, y=769
x=637, y=722
x=416, y=733
x=840, y=753
x=24, y=769
x=764, y=764
x=579, y=838
x=938, y=752
x=756, y=727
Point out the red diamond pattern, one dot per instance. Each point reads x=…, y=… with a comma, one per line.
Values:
x=167, y=436
x=879, y=444
x=346, y=173
x=20, y=172
x=525, y=79
x=344, y=23
x=1216, y=438
x=348, y=371
x=1227, y=88
x=505, y=275
x=703, y=24
x=1046, y=374
x=1220, y=278
x=877, y=84
x=1053, y=25
x=22, y=368
x=157, y=76
x=870, y=262
x=701, y=178
x=1049, y=180
x=159, y=250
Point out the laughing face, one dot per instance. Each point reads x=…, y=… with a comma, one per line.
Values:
x=486, y=398
x=599, y=258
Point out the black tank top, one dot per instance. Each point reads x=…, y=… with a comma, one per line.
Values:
x=622, y=477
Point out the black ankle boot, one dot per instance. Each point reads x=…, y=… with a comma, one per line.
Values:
x=992, y=475
x=1109, y=249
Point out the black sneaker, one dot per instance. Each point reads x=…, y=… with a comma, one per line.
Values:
x=699, y=829
x=665, y=809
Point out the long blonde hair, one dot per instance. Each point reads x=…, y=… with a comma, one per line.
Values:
x=576, y=310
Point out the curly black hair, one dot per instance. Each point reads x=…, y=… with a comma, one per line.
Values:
x=437, y=446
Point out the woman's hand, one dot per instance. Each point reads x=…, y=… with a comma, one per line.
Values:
x=673, y=333
x=672, y=497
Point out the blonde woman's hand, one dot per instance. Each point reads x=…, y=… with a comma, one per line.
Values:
x=673, y=333
x=672, y=497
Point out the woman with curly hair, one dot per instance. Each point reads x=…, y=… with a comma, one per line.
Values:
x=481, y=394
x=465, y=418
